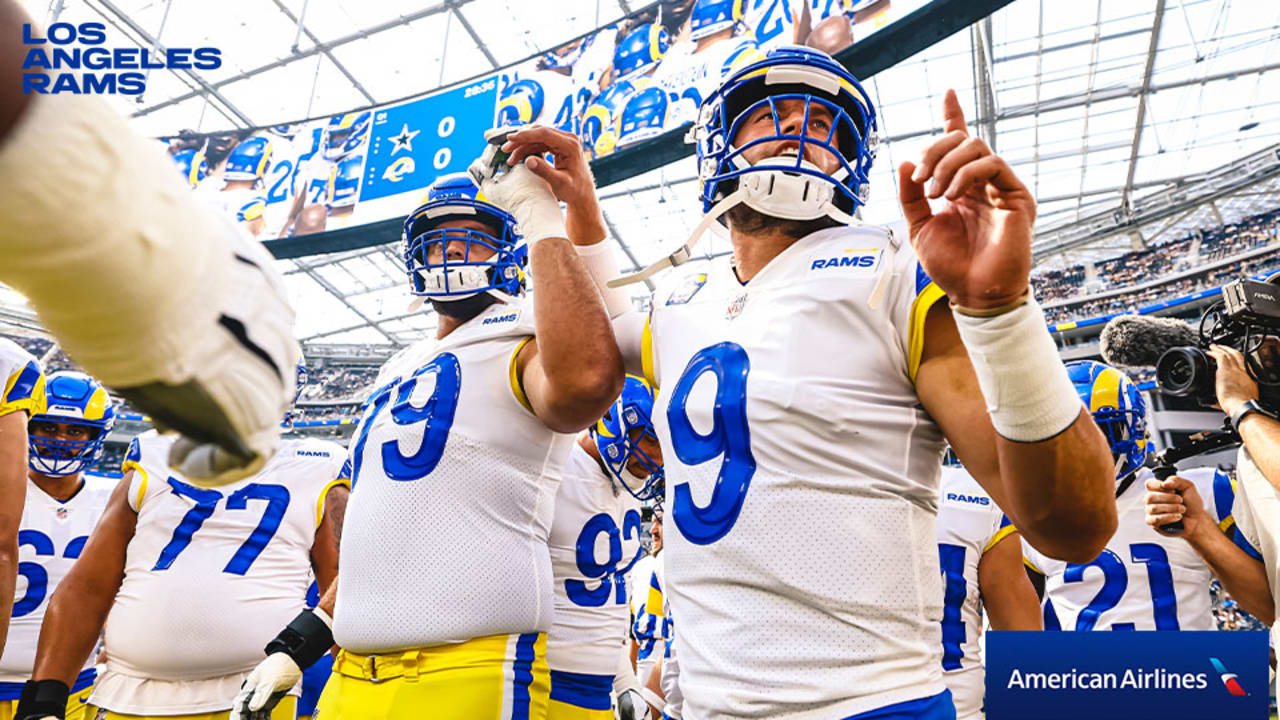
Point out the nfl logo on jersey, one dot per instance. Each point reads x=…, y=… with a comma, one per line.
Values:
x=735, y=307
x=61, y=513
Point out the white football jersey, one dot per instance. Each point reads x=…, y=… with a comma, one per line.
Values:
x=1143, y=580
x=22, y=380
x=595, y=542
x=211, y=574
x=769, y=22
x=802, y=480
x=653, y=628
x=453, y=489
x=969, y=524
x=50, y=538
x=242, y=205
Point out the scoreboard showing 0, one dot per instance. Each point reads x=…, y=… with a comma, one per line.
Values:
x=415, y=142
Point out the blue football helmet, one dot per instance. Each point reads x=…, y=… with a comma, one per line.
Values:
x=709, y=17
x=521, y=103
x=249, y=159
x=600, y=120
x=346, y=133
x=796, y=189
x=192, y=165
x=453, y=197
x=617, y=436
x=643, y=117
x=1118, y=409
x=640, y=51
x=344, y=182
x=74, y=399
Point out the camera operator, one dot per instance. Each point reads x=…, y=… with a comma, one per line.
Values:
x=1243, y=557
x=1256, y=423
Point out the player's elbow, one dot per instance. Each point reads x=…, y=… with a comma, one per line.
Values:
x=1075, y=534
x=581, y=400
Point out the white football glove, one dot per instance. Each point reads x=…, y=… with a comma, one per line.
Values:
x=518, y=191
x=270, y=681
x=149, y=288
x=630, y=705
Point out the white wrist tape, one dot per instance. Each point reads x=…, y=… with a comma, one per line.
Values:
x=324, y=616
x=529, y=198
x=602, y=266
x=1028, y=394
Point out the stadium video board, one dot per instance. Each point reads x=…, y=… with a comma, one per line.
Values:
x=614, y=88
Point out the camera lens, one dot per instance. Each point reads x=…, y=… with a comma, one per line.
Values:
x=1185, y=371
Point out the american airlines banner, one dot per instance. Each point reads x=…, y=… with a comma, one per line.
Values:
x=615, y=87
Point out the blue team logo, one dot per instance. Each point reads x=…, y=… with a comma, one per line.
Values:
x=858, y=258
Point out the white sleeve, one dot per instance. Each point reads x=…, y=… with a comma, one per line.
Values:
x=631, y=329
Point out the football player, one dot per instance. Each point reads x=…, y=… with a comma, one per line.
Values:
x=601, y=119
x=243, y=198
x=595, y=543
x=21, y=396
x=63, y=506
x=770, y=448
x=83, y=197
x=189, y=582
x=344, y=141
x=457, y=457
x=692, y=70
x=1141, y=580
x=1231, y=554
x=980, y=553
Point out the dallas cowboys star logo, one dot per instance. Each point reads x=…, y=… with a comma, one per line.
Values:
x=404, y=141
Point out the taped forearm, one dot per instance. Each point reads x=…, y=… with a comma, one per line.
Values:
x=602, y=266
x=1029, y=396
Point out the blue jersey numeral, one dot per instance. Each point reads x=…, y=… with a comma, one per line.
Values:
x=774, y=21
x=631, y=527
x=277, y=497
x=1115, y=580
x=729, y=439
x=35, y=573
x=281, y=174
x=1164, y=603
x=951, y=558
x=585, y=554
x=435, y=415
x=613, y=580
x=206, y=501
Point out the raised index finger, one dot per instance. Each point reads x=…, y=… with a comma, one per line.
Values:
x=952, y=114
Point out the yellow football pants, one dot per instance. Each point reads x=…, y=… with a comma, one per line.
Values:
x=285, y=710
x=500, y=677
x=76, y=707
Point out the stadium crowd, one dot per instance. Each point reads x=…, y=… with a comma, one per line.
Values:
x=1199, y=248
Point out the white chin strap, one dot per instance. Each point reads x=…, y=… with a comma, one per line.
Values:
x=780, y=193
x=471, y=280
x=631, y=480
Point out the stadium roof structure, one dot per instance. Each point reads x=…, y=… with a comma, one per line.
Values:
x=1097, y=105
